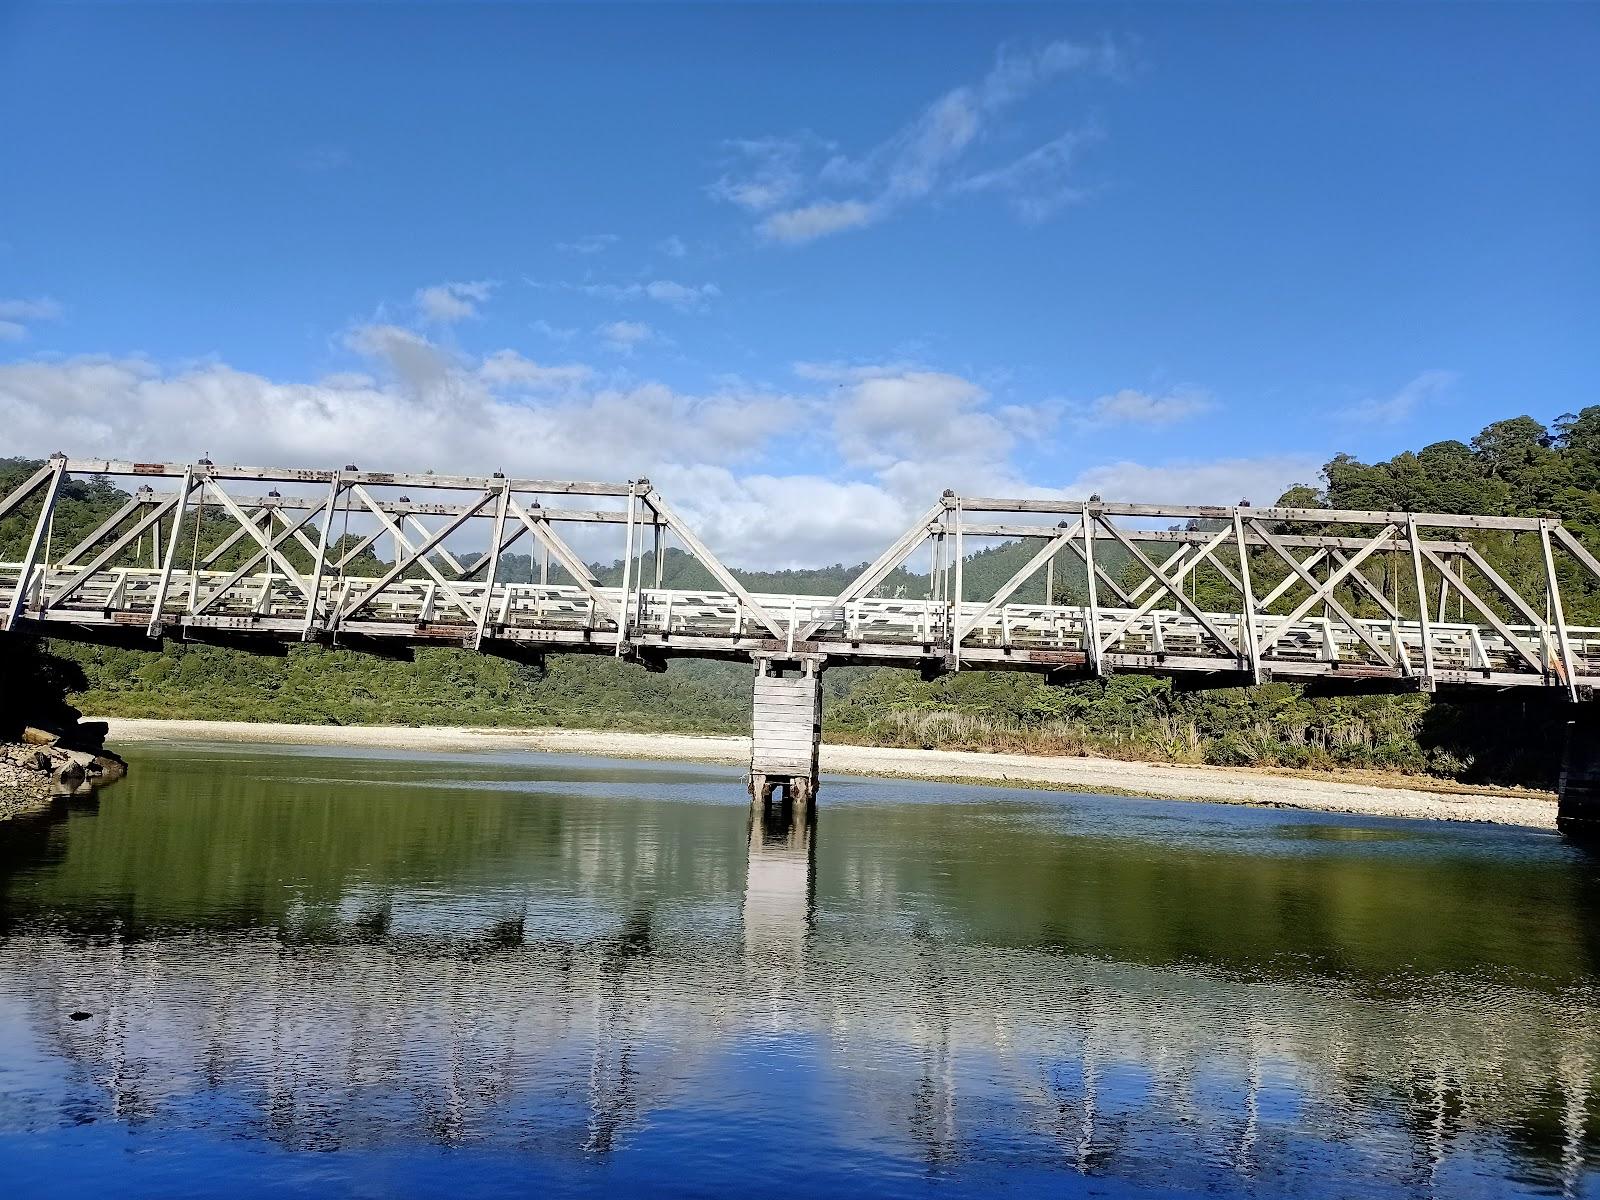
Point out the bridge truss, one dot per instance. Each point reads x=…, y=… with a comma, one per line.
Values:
x=1214, y=595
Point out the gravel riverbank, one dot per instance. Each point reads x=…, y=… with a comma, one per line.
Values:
x=1362, y=794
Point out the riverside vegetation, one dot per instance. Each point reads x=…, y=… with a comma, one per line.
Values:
x=1516, y=467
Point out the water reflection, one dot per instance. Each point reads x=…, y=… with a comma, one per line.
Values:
x=780, y=879
x=603, y=971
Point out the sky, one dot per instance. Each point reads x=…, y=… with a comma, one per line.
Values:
x=803, y=268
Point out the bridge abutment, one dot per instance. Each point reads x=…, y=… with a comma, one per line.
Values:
x=1578, y=805
x=786, y=728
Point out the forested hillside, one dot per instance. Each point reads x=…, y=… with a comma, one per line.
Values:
x=1513, y=467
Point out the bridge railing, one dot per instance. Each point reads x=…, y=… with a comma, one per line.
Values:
x=1288, y=576
x=350, y=554
x=307, y=550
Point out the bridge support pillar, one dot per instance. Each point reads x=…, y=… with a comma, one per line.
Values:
x=786, y=729
x=1578, y=806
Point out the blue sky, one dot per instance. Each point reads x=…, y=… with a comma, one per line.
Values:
x=805, y=265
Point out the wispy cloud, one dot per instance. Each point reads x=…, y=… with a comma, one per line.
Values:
x=801, y=195
x=1148, y=409
x=1398, y=407
x=556, y=333
x=764, y=173
x=682, y=296
x=17, y=314
x=817, y=220
x=447, y=303
x=1037, y=183
x=509, y=369
x=589, y=243
x=625, y=336
x=1202, y=481
x=673, y=247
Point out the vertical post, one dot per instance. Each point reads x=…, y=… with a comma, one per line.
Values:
x=1444, y=591
x=1092, y=626
x=660, y=565
x=638, y=582
x=1247, y=597
x=494, y=561
x=172, y=552
x=1423, y=619
x=1050, y=581
x=627, y=571
x=46, y=514
x=335, y=485
x=955, y=619
x=1560, y=612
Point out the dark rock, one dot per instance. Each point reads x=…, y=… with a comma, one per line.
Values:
x=86, y=735
x=80, y=1015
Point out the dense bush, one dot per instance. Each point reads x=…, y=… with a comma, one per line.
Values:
x=1517, y=466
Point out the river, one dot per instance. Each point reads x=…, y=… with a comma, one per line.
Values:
x=273, y=970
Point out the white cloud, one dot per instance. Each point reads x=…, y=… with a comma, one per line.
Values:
x=447, y=303
x=508, y=368
x=816, y=220
x=778, y=521
x=625, y=335
x=919, y=431
x=475, y=417
x=1392, y=410
x=902, y=434
x=422, y=367
x=1216, y=481
x=1131, y=407
x=799, y=199
x=673, y=247
x=884, y=419
x=589, y=243
x=12, y=331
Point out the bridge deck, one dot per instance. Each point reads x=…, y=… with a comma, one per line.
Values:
x=195, y=550
x=1045, y=638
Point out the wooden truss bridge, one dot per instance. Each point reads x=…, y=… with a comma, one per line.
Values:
x=376, y=561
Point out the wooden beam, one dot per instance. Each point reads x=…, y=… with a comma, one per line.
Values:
x=711, y=563
x=880, y=567
x=57, y=470
x=1022, y=575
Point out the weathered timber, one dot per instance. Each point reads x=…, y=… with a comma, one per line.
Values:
x=267, y=570
x=786, y=729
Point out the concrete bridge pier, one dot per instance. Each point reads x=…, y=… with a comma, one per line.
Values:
x=1578, y=806
x=786, y=729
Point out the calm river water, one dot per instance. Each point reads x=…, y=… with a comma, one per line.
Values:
x=337, y=972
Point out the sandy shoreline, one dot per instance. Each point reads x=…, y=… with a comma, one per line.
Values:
x=1323, y=793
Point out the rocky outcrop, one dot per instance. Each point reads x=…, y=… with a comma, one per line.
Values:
x=46, y=761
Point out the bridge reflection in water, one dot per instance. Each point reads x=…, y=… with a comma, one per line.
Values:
x=570, y=972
